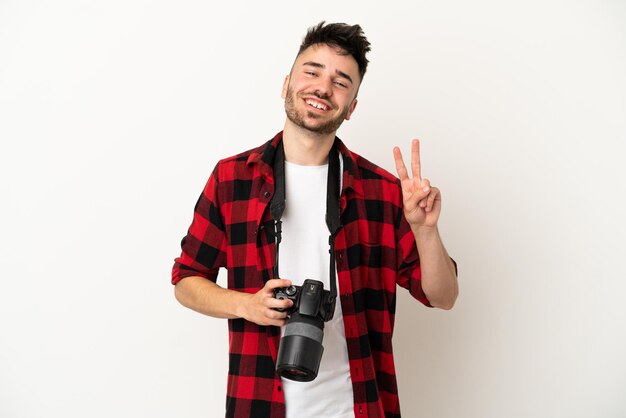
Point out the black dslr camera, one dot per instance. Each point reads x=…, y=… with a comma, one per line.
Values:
x=300, y=350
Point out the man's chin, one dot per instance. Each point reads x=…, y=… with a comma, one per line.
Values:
x=319, y=128
x=314, y=124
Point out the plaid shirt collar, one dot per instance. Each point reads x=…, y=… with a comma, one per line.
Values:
x=264, y=157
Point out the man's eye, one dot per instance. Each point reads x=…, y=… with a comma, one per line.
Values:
x=341, y=84
x=309, y=72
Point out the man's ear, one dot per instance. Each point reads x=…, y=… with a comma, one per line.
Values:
x=352, y=106
x=283, y=94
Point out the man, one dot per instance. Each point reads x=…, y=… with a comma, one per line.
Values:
x=383, y=225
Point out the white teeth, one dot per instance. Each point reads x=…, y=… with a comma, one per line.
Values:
x=316, y=105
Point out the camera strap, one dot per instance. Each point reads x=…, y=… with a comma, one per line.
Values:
x=277, y=207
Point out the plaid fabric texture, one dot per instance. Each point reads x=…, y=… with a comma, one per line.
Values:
x=375, y=251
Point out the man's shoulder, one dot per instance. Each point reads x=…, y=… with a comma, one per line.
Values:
x=367, y=170
x=243, y=156
x=246, y=164
x=372, y=182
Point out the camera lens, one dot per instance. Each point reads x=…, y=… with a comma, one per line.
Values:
x=294, y=372
x=300, y=350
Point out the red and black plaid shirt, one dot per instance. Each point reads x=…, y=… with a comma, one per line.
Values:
x=375, y=251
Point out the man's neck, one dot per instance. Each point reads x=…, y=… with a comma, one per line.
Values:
x=304, y=147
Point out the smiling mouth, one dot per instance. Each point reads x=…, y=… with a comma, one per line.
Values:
x=317, y=105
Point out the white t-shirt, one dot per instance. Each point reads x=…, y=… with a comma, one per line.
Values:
x=304, y=255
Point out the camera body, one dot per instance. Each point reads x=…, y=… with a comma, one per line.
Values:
x=300, y=351
x=309, y=299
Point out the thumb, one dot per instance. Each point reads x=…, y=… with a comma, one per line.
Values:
x=276, y=283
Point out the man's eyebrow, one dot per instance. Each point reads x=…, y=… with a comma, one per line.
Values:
x=314, y=64
x=338, y=72
x=344, y=75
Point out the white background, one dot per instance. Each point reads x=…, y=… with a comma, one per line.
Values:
x=112, y=115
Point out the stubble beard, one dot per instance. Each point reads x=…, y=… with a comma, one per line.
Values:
x=300, y=119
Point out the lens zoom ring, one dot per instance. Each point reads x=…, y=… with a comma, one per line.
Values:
x=305, y=330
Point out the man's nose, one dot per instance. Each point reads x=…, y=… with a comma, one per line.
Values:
x=324, y=87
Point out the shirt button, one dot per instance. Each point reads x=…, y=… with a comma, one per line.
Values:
x=266, y=194
x=341, y=256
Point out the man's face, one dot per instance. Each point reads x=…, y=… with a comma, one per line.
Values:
x=320, y=92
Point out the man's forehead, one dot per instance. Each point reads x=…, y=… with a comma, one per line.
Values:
x=320, y=53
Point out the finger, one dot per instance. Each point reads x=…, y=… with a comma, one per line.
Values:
x=415, y=160
x=276, y=283
x=424, y=193
x=277, y=322
x=400, y=167
x=274, y=314
x=419, y=198
x=434, y=194
x=265, y=320
x=274, y=303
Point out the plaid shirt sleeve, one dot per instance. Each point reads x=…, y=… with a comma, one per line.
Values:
x=231, y=229
x=409, y=274
x=204, y=246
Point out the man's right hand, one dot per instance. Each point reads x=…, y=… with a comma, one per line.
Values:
x=260, y=307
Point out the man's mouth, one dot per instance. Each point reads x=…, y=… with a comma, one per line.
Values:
x=317, y=104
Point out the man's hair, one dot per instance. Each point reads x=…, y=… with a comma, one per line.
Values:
x=350, y=39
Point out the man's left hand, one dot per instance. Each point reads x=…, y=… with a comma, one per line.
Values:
x=422, y=203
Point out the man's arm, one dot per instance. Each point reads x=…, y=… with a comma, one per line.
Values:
x=204, y=252
x=439, y=280
x=204, y=296
x=422, y=207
